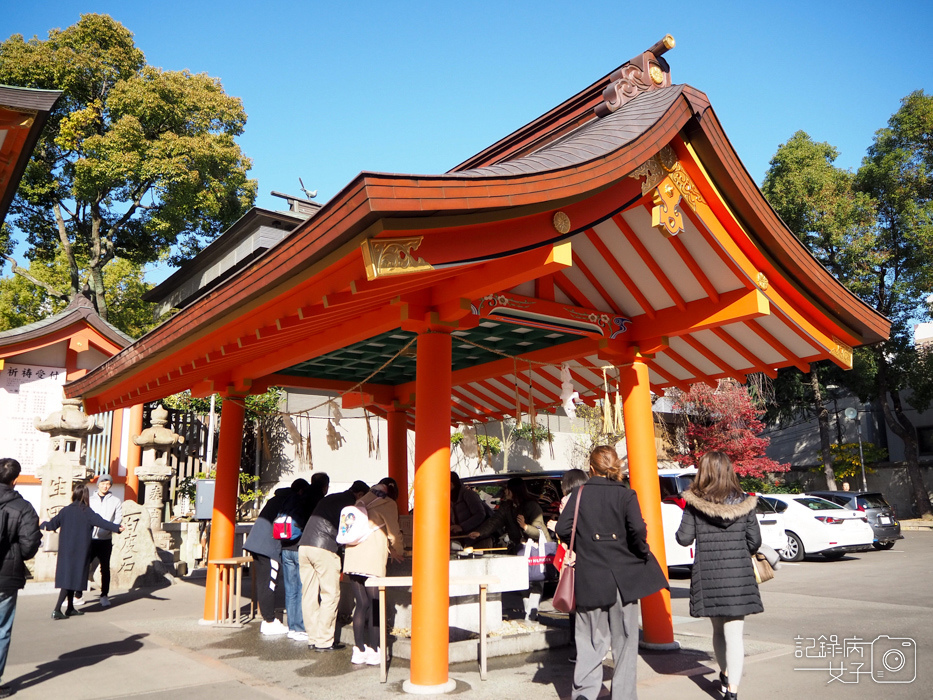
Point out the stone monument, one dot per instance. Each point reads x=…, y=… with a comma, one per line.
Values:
x=135, y=561
x=69, y=429
x=155, y=471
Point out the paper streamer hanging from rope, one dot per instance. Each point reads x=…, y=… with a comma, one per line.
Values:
x=567, y=393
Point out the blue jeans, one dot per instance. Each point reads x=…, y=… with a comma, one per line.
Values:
x=292, y=581
x=7, y=611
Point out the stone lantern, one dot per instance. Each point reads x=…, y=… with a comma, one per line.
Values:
x=69, y=429
x=155, y=471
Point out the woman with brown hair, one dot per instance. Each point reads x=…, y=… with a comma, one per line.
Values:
x=614, y=570
x=720, y=517
x=76, y=521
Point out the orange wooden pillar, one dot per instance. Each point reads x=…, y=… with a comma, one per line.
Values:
x=431, y=545
x=223, y=519
x=134, y=454
x=397, y=429
x=643, y=474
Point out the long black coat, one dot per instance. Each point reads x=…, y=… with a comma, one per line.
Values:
x=722, y=583
x=611, y=545
x=76, y=522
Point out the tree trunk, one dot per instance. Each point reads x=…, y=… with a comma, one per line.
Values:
x=96, y=280
x=902, y=427
x=822, y=416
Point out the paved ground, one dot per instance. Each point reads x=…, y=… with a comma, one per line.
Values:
x=149, y=645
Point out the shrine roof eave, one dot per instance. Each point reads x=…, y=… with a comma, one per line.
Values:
x=373, y=203
x=368, y=205
x=729, y=175
x=80, y=313
x=16, y=151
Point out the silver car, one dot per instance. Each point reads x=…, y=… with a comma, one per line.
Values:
x=881, y=517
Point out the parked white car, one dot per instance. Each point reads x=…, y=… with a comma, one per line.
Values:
x=817, y=526
x=673, y=483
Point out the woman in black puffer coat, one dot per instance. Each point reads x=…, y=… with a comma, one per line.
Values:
x=721, y=519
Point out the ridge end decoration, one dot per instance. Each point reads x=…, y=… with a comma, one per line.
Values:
x=647, y=71
x=385, y=257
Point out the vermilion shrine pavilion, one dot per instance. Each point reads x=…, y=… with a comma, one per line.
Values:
x=620, y=228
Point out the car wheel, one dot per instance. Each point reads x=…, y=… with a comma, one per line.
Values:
x=882, y=545
x=794, y=549
x=834, y=556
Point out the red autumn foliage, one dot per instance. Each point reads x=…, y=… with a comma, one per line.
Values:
x=725, y=419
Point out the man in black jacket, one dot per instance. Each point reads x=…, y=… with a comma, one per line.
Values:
x=319, y=567
x=19, y=541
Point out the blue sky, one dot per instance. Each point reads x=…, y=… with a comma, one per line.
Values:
x=417, y=87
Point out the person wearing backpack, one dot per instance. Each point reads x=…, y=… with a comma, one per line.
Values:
x=319, y=567
x=19, y=541
x=266, y=550
x=383, y=539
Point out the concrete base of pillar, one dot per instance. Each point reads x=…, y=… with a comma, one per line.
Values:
x=414, y=689
x=664, y=646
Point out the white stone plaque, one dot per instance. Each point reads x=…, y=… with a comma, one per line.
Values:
x=28, y=391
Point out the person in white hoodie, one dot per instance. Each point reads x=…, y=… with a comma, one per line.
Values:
x=108, y=506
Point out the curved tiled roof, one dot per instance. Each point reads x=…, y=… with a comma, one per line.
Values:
x=80, y=309
x=592, y=140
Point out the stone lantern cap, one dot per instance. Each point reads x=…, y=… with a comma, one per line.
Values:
x=70, y=421
x=158, y=436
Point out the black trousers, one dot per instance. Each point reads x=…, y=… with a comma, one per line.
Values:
x=267, y=578
x=101, y=550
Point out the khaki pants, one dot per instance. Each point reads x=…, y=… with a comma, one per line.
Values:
x=320, y=593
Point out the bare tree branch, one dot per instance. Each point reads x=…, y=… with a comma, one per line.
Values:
x=22, y=272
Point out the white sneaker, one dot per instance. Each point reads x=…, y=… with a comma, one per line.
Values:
x=298, y=635
x=104, y=601
x=79, y=601
x=272, y=628
x=372, y=656
x=360, y=656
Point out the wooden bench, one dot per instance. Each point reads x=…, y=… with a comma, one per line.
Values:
x=483, y=582
x=228, y=587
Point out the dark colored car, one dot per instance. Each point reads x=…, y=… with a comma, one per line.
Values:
x=881, y=517
x=544, y=486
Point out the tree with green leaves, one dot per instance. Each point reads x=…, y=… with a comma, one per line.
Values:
x=22, y=302
x=820, y=204
x=884, y=258
x=134, y=163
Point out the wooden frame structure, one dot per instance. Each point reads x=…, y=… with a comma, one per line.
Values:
x=619, y=229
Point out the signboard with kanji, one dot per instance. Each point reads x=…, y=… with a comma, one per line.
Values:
x=27, y=391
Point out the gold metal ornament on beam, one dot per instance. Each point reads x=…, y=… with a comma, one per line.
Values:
x=387, y=257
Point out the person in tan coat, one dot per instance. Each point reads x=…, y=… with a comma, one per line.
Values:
x=368, y=558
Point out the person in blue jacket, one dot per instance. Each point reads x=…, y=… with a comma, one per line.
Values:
x=76, y=522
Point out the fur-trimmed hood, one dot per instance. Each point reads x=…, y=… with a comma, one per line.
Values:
x=725, y=512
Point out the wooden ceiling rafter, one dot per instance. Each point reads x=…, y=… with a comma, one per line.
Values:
x=620, y=272
x=597, y=285
x=774, y=343
x=471, y=392
x=749, y=357
x=577, y=297
x=648, y=260
x=698, y=374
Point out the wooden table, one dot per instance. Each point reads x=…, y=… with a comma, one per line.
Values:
x=404, y=582
x=228, y=586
